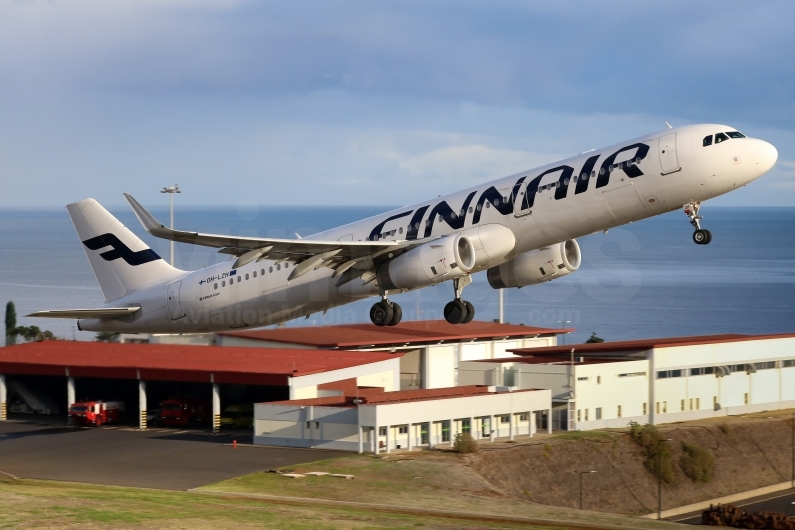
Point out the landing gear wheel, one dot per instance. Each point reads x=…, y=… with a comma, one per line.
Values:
x=455, y=312
x=702, y=237
x=381, y=313
x=470, y=313
x=397, y=315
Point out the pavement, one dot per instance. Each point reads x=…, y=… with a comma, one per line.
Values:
x=780, y=502
x=161, y=458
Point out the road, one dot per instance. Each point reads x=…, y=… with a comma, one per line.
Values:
x=123, y=456
x=781, y=502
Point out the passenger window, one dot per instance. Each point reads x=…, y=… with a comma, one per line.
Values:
x=255, y=274
x=247, y=276
x=215, y=286
x=488, y=205
x=270, y=269
x=262, y=272
x=707, y=141
x=593, y=174
x=735, y=134
x=601, y=171
x=286, y=265
x=470, y=209
x=223, y=283
x=400, y=230
x=278, y=266
x=480, y=207
x=720, y=137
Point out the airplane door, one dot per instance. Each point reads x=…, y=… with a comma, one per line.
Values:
x=669, y=162
x=174, y=305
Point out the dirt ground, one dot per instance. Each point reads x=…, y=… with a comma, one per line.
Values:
x=750, y=452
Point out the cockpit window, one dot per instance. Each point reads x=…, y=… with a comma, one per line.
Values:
x=708, y=140
x=735, y=134
x=720, y=137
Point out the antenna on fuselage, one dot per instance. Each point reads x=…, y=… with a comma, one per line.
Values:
x=669, y=125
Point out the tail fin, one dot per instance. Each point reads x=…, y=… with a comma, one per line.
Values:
x=121, y=262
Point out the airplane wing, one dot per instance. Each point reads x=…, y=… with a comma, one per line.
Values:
x=308, y=254
x=105, y=312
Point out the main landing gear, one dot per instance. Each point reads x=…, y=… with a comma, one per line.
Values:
x=386, y=313
x=459, y=311
x=701, y=236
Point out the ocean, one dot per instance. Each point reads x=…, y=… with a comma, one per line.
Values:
x=646, y=279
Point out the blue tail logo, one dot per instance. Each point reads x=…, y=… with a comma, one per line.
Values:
x=120, y=250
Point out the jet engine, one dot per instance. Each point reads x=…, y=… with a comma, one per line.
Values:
x=444, y=259
x=538, y=266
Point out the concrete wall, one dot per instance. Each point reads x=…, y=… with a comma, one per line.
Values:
x=384, y=374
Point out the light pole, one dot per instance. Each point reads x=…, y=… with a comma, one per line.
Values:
x=502, y=301
x=562, y=325
x=171, y=190
x=581, y=474
x=659, y=477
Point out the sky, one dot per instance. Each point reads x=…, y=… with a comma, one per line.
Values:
x=369, y=103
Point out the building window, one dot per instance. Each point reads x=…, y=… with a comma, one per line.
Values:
x=382, y=431
x=618, y=413
x=598, y=379
x=579, y=415
x=505, y=419
x=698, y=403
x=524, y=417
x=465, y=425
x=683, y=405
x=307, y=425
x=446, y=431
x=664, y=374
x=582, y=379
x=403, y=430
x=745, y=398
x=598, y=413
x=586, y=414
x=691, y=403
x=657, y=407
x=665, y=407
x=789, y=363
x=645, y=409
x=632, y=374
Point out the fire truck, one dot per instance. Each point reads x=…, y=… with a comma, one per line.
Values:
x=182, y=412
x=95, y=413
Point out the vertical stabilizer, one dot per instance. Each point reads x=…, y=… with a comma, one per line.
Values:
x=121, y=261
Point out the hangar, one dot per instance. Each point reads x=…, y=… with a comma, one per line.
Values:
x=138, y=374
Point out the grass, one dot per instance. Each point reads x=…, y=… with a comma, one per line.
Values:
x=46, y=504
x=423, y=480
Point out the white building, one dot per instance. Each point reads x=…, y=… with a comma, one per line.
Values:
x=377, y=421
x=431, y=350
x=651, y=381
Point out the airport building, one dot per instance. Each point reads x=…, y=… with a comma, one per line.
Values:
x=651, y=381
x=372, y=420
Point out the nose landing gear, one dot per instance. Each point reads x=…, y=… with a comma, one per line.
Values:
x=459, y=311
x=386, y=313
x=701, y=236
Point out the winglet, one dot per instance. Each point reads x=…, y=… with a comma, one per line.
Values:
x=148, y=221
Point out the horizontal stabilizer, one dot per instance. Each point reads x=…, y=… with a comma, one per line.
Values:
x=106, y=312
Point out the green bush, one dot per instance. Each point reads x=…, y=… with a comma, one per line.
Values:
x=697, y=462
x=657, y=451
x=464, y=443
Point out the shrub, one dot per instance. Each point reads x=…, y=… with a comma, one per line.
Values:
x=725, y=428
x=728, y=515
x=464, y=443
x=650, y=439
x=697, y=462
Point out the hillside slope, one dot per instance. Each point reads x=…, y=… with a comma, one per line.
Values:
x=750, y=452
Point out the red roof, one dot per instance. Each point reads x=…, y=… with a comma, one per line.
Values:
x=263, y=366
x=377, y=396
x=362, y=335
x=642, y=344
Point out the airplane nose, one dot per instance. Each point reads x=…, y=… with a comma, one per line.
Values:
x=765, y=156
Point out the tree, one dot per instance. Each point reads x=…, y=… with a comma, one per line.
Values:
x=33, y=333
x=594, y=339
x=11, y=324
x=106, y=336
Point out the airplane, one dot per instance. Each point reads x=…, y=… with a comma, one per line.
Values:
x=520, y=229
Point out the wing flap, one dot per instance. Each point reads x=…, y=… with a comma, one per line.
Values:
x=102, y=313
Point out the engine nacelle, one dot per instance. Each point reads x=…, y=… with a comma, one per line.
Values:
x=444, y=259
x=539, y=266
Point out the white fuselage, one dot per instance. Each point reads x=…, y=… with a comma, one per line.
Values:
x=674, y=168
